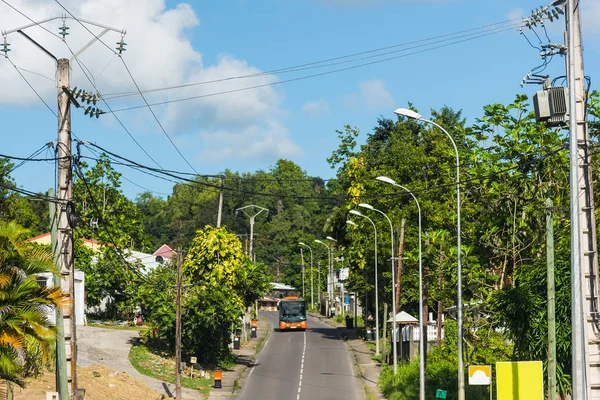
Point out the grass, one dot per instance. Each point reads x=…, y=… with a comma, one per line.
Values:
x=119, y=327
x=161, y=367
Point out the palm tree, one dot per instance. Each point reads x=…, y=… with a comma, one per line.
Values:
x=24, y=303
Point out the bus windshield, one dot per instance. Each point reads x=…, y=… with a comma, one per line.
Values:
x=292, y=311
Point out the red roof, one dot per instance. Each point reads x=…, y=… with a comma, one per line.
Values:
x=165, y=252
x=38, y=237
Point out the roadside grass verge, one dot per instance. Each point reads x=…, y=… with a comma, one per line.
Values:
x=161, y=366
x=118, y=327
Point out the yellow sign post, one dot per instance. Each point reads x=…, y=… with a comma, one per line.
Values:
x=481, y=375
x=520, y=380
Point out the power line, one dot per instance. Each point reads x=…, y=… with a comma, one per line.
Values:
x=31, y=194
x=136, y=85
x=83, y=70
x=321, y=63
x=116, y=248
x=307, y=76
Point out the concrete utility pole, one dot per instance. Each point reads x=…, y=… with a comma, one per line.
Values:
x=220, y=212
x=62, y=382
x=551, y=302
x=399, y=266
x=252, y=217
x=66, y=260
x=584, y=260
x=178, y=330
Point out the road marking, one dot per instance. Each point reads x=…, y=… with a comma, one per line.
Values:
x=301, y=367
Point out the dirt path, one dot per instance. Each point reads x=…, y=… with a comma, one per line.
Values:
x=110, y=348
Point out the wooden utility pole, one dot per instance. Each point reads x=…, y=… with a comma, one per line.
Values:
x=551, y=302
x=220, y=212
x=65, y=231
x=62, y=381
x=178, y=330
x=399, y=272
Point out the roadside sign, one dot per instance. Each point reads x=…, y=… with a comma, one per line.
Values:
x=440, y=394
x=520, y=380
x=480, y=374
x=193, y=360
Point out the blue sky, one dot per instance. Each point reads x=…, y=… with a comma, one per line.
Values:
x=177, y=43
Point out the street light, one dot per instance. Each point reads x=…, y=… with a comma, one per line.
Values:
x=331, y=269
x=459, y=306
x=330, y=262
x=355, y=212
x=311, y=272
x=421, y=316
x=251, y=216
x=394, y=344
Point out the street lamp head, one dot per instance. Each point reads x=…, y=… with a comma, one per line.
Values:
x=405, y=112
x=355, y=212
x=318, y=241
x=330, y=238
x=302, y=244
x=367, y=206
x=386, y=180
x=351, y=223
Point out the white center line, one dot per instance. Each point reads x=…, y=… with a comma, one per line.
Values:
x=301, y=367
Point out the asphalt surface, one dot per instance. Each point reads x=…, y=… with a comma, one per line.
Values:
x=296, y=365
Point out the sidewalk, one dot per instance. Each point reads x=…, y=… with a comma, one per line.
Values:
x=368, y=368
x=245, y=357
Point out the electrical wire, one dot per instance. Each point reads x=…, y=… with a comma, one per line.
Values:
x=32, y=195
x=337, y=198
x=321, y=64
x=306, y=76
x=105, y=225
x=83, y=70
x=134, y=82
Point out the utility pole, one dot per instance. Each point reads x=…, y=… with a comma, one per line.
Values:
x=551, y=302
x=62, y=382
x=66, y=259
x=220, y=212
x=178, y=330
x=584, y=257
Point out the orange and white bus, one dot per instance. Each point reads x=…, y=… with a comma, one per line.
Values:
x=292, y=313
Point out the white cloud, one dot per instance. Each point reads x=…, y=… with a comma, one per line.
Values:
x=371, y=94
x=159, y=54
x=316, y=109
x=269, y=140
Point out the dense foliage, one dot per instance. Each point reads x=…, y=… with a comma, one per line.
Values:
x=26, y=337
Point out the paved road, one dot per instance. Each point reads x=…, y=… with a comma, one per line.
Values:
x=311, y=365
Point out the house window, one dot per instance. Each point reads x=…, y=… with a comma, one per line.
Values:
x=42, y=281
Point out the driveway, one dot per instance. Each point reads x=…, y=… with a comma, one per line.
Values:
x=110, y=348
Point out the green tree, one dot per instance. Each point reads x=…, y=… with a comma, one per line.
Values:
x=24, y=326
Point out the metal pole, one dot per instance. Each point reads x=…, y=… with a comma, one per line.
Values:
x=319, y=278
x=551, y=302
x=178, y=331
x=62, y=380
x=394, y=336
x=252, y=237
x=421, y=316
x=220, y=211
x=302, y=257
x=459, y=305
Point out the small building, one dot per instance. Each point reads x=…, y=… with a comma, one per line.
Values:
x=278, y=291
x=46, y=279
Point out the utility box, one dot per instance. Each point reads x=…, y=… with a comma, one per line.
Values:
x=551, y=106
